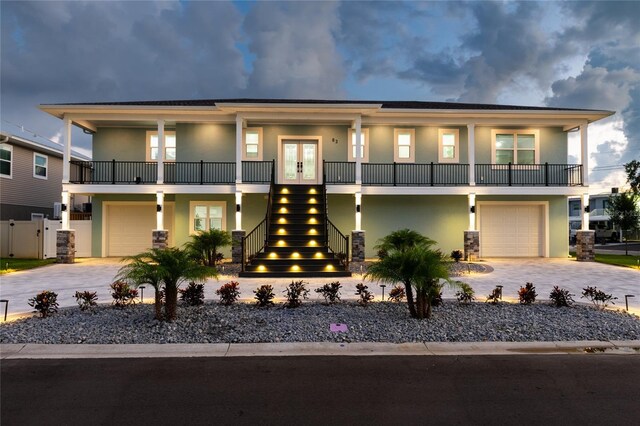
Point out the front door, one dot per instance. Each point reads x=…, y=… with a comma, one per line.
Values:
x=300, y=162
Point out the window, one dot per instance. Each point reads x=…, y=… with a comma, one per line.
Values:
x=364, y=145
x=448, y=146
x=6, y=159
x=404, y=145
x=37, y=216
x=515, y=146
x=169, y=146
x=40, y=165
x=206, y=215
x=252, y=140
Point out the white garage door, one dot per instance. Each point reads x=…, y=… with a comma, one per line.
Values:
x=511, y=230
x=129, y=227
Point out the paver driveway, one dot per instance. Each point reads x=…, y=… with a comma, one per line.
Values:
x=97, y=274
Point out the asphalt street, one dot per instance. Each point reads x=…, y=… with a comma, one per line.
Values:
x=574, y=389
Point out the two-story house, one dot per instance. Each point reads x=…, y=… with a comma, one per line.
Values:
x=296, y=180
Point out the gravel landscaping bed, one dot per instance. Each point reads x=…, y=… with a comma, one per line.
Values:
x=379, y=322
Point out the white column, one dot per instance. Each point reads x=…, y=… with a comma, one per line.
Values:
x=160, y=153
x=584, y=149
x=358, y=156
x=239, y=210
x=472, y=215
x=471, y=136
x=585, y=213
x=66, y=208
x=358, y=211
x=66, y=153
x=160, y=214
x=239, y=127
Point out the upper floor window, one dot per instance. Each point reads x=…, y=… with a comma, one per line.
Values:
x=207, y=215
x=364, y=145
x=169, y=146
x=252, y=141
x=6, y=160
x=40, y=166
x=515, y=146
x=448, y=146
x=404, y=145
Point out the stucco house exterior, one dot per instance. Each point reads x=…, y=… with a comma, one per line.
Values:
x=31, y=176
x=490, y=179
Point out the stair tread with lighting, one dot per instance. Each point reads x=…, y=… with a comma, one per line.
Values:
x=291, y=250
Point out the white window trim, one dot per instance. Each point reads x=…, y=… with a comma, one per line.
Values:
x=515, y=132
x=350, y=145
x=192, y=205
x=9, y=148
x=456, y=136
x=412, y=147
x=148, y=145
x=244, y=144
x=46, y=166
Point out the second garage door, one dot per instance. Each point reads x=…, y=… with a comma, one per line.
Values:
x=508, y=230
x=129, y=226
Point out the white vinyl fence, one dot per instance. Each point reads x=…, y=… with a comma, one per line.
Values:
x=26, y=239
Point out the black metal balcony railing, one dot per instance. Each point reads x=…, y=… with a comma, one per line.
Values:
x=179, y=172
x=410, y=174
x=339, y=172
x=528, y=174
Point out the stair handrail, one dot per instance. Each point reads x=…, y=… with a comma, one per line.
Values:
x=342, y=243
x=262, y=226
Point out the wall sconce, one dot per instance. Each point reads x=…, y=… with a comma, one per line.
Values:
x=587, y=209
x=63, y=207
x=138, y=180
x=158, y=208
x=238, y=208
x=472, y=209
x=358, y=208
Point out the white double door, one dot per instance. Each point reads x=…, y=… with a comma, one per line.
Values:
x=300, y=162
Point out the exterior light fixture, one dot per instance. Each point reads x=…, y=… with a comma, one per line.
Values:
x=472, y=209
x=238, y=208
x=587, y=209
x=63, y=207
x=358, y=208
x=158, y=208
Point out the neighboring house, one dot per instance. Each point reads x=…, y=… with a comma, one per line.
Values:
x=493, y=179
x=31, y=176
x=599, y=219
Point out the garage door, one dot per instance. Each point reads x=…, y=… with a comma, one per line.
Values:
x=129, y=227
x=511, y=230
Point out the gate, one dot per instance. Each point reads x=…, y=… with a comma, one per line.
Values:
x=21, y=239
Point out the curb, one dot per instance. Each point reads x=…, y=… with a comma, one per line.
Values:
x=221, y=350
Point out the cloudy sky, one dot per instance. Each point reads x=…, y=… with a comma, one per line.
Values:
x=566, y=54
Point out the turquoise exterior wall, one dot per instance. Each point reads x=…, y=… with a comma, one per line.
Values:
x=553, y=144
x=208, y=142
x=121, y=144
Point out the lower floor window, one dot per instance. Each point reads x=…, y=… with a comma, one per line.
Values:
x=207, y=215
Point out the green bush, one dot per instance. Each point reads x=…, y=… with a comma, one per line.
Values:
x=193, y=295
x=123, y=294
x=264, y=295
x=495, y=295
x=560, y=297
x=365, y=295
x=86, y=299
x=45, y=302
x=527, y=294
x=229, y=293
x=599, y=298
x=457, y=255
x=330, y=292
x=296, y=292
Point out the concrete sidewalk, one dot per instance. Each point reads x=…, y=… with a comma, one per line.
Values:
x=97, y=274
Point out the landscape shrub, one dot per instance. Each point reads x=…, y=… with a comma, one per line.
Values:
x=527, y=294
x=457, y=255
x=436, y=299
x=397, y=294
x=495, y=295
x=86, y=299
x=465, y=294
x=193, y=295
x=45, y=302
x=264, y=295
x=229, y=293
x=296, y=292
x=330, y=292
x=123, y=294
x=365, y=295
x=560, y=297
x=599, y=298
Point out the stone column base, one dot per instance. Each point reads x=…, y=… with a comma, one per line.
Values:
x=585, y=241
x=65, y=246
x=159, y=238
x=471, y=245
x=236, y=245
x=357, y=246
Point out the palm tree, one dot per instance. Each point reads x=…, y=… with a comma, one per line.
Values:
x=204, y=246
x=171, y=267
x=141, y=271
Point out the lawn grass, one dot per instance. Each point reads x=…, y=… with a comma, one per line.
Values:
x=616, y=259
x=21, y=264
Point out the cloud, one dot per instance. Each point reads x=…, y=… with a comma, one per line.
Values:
x=295, y=50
